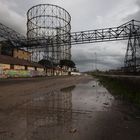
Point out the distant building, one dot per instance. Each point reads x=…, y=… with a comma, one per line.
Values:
x=13, y=67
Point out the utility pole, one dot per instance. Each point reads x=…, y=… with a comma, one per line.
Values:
x=92, y=68
x=95, y=61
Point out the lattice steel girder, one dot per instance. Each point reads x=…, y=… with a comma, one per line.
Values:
x=123, y=32
x=11, y=35
x=132, y=57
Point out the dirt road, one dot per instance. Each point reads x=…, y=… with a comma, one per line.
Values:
x=64, y=108
x=16, y=92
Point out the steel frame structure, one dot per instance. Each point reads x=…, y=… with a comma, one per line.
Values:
x=49, y=21
x=129, y=31
x=55, y=36
x=16, y=39
x=123, y=32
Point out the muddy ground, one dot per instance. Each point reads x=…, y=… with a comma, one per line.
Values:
x=64, y=108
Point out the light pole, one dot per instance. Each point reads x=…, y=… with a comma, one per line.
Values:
x=95, y=61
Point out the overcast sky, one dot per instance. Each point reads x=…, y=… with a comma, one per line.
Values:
x=86, y=14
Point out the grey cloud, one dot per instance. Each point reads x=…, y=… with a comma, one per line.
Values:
x=109, y=55
x=11, y=18
x=136, y=15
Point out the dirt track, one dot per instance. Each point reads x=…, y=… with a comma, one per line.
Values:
x=64, y=108
x=16, y=92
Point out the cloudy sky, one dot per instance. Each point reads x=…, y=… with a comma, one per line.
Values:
x=86, y=14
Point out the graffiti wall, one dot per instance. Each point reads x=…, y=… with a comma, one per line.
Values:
x=1, y=73
x=16, y=73
x=34, y=73
x=3, y=67
x=20, y=73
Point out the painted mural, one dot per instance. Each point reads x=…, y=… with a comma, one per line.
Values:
x=20, y=73
x=16, y=73
x=1, y=73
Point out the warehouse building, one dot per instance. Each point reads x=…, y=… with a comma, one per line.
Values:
x=13, y=67
x=17, y=63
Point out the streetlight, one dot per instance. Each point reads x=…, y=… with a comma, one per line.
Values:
x=95, y=61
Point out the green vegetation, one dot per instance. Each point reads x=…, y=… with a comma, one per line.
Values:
x=68, y=63
x=45, y=63
x=48, y=63
x=126, y=88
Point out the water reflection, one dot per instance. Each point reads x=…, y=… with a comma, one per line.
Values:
x=91, y=97
x=57, y=115
x=50, y=116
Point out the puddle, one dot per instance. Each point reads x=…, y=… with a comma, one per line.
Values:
x=91, y=98
x=58, y=115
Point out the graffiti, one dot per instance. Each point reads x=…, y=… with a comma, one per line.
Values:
x=4, y=66
x=16, y=73
x=1, y=73
x=20, y=73
x=34, y=73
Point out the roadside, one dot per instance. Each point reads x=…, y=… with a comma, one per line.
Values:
x=126, y=88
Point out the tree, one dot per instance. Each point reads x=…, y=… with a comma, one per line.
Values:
x=45, y=63
x=68, y=63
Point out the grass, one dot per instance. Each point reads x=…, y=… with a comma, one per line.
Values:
x=126, y=88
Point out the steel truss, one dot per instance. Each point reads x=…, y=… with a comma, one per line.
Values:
x=123, y=32
x=129, y=31
x=16, y=39
x=46, y=21
x=132, y=57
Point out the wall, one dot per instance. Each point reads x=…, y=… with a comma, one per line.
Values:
x=18, y=67
x=49, y=72
x=19, y=71
x=16, y=73
x=76, y=73
x=1, y=73
x=21, y=54
x=3, y=67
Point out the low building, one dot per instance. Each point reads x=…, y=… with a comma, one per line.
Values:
x=16, y=62
x=7, y=49
x=13, y=67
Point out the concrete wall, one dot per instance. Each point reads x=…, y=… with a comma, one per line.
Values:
x=76, y=73
x=21, y=54
x=20, y=73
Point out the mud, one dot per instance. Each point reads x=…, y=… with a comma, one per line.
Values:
x=68, y=108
